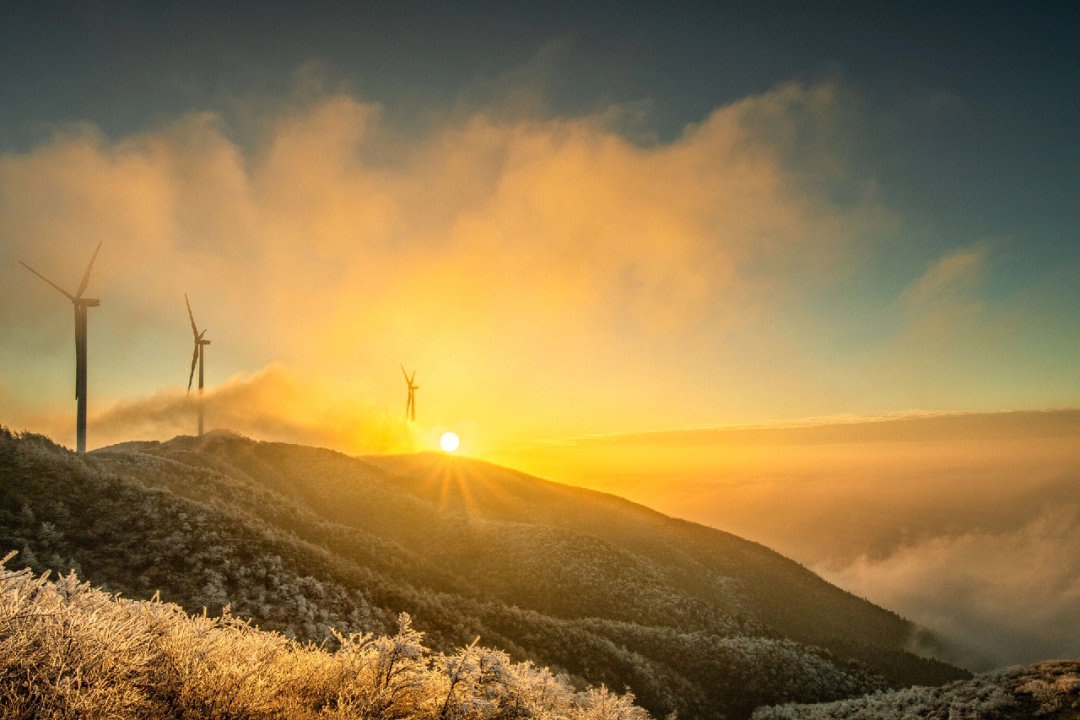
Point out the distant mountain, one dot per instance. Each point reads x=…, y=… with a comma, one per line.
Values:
x=1046, y=690
x=300, y=539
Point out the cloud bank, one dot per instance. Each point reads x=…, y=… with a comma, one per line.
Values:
x=1004, y=597
x=276, y=404
x=967, y=523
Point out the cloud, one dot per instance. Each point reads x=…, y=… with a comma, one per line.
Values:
x=945, y=295
x=899, y=427
x=341, y=242
x=275, y=404
x=967, y=523
x=956, y=271
x=736, y=472
x=1004, y=597
x=950, y=338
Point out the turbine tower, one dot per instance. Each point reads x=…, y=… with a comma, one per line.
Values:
x=80, y=304
x=197, y=357
x=410, y=406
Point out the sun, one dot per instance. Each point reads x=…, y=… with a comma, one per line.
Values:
x=449, y=441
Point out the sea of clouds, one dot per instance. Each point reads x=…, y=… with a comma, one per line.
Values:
x=967, y=524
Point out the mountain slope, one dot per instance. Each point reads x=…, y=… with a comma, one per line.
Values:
x=690, y=618
x=1048, y=690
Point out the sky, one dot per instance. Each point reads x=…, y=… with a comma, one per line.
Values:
x=585, y=226
x=569, y=220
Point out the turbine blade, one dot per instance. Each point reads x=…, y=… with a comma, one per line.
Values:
x=86, y=275
x=194, y=359
x=405, y=374
x=191, y=317
x=66, y=294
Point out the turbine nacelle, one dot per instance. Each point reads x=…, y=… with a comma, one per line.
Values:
x=77, y=298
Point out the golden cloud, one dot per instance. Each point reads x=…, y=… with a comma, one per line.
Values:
x=275, y=404
x=478, y=248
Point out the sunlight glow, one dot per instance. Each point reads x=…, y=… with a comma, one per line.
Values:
x=449, y=441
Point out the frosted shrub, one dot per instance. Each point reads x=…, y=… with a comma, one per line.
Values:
x=221, y=667
x=382, y=677
x=605, y=705
x=68, y=650
x=69, y=653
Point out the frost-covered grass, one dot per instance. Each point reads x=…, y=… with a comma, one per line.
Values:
x=68, y=650
x=1048, y=690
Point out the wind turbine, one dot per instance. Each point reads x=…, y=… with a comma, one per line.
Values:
x=410, y=406
x=197, y=357
x=80, y=304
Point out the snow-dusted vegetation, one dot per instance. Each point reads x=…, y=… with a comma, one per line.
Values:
x=68, y=650
x=1049, y=690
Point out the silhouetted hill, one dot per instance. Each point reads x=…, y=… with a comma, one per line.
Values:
x=301, y=539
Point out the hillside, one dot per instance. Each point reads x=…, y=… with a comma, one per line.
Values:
x=1048, y=690
x=300, y=539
